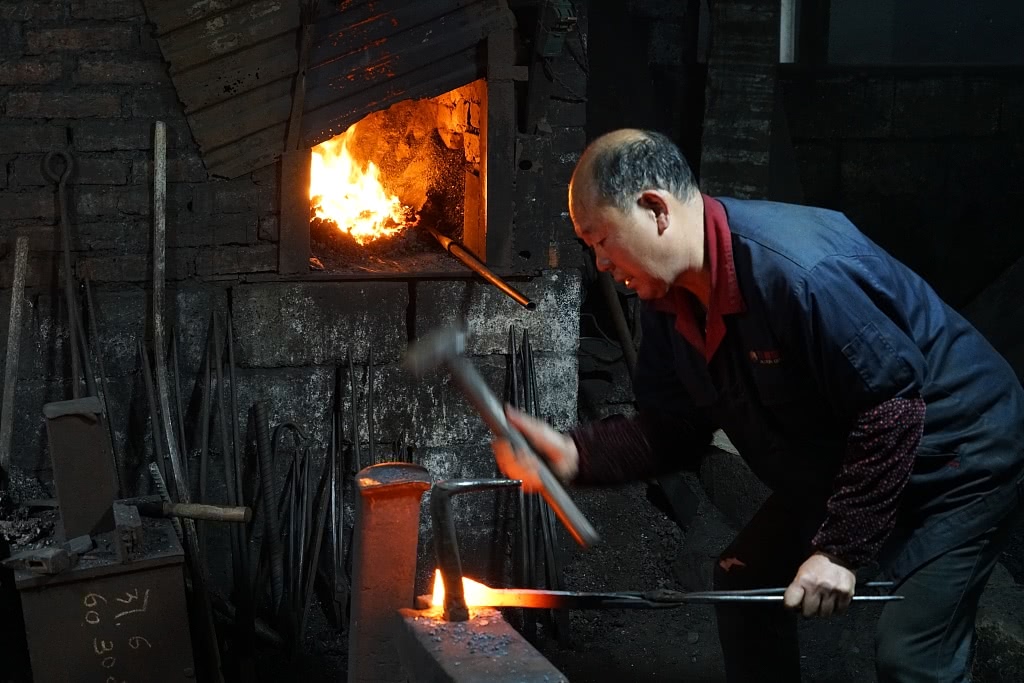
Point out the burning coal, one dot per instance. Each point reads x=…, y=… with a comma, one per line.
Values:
x=352, y=195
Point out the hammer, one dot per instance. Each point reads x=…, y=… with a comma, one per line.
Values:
x=445, y=347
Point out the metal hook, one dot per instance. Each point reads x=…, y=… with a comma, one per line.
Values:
x=58, y=173
x=446, y=542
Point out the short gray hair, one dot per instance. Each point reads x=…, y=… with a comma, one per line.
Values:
x=649, y=161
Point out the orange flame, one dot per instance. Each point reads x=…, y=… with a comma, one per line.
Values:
x=475, y=592
x=351, y=195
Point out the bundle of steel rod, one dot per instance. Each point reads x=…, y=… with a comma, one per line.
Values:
x=538, y=558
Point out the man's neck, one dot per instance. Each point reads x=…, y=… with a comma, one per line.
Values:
x=698, y=283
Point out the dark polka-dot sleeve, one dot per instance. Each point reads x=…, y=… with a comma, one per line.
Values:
x=879, y=458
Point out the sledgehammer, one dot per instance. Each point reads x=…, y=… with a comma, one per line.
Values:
x=445, y=347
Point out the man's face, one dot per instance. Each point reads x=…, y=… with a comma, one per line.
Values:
x=627, y=245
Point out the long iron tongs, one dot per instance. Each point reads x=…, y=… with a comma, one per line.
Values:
x=653, y=599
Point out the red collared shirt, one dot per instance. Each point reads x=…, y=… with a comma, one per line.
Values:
x=725, y=290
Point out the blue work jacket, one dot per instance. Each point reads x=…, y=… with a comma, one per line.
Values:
x=834, y=326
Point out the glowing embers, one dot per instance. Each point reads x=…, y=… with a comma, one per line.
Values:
x=351, y=195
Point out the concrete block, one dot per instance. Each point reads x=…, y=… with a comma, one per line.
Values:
x=32, y=137
x=27, y=170
x=229, y=260
x=158, y=103
x=315, y=324
x=107, y=9
x=553, y=326
x=193, y=307
x=127, y=235
x=204, y=231
x=117, y=268
x=120, y=36
x=57, y=105
x=45, y=10
x=121, y=70
x=29, y=71
x=37, y=204
x=107, y=136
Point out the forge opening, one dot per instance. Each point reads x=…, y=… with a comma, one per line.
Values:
x=377, y=189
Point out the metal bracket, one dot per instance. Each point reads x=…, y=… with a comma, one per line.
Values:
x=446, y=542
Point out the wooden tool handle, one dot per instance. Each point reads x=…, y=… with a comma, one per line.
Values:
x=214, y=513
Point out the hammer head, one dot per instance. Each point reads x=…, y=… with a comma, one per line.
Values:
x=435, y=349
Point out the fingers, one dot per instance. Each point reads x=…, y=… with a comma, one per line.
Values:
x=540, y=433
x=557, y=449
x=821, y=588
x=516, y=467
x=794, y=596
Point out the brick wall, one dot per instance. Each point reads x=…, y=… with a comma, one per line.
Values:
x=86, y=77
x=926, y=161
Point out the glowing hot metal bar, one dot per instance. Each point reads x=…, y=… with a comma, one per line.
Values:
x=480, y=595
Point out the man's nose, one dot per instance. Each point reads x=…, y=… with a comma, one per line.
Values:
x=603, y=263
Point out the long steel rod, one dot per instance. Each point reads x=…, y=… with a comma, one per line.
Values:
x=357, y=458
x=61, y=177
x=179, y=412
x=204, y=433
x=662, y=599
x=154, y=416
x=268, y=486
x=370, y=434
x=104, y=386
x=471, y=261
x=159, y=266
x=13, y=346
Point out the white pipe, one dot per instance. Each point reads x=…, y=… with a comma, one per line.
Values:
x=787, y=32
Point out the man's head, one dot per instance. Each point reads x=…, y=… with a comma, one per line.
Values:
x=633, y=199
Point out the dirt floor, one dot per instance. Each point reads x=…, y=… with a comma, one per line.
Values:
x=642, y=548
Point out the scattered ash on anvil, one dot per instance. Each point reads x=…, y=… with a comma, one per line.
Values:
x=471, y=633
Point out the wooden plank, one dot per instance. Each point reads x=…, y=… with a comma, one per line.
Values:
x=335, y=115
x=354, y=72
x=242, y=116
x=351, y=31
x=260, y=148
x=293, y=241
x=498, y=149
x=237, y=73
x=226, y=33
x=370, y=41
x=255, y=151
x=169, y=15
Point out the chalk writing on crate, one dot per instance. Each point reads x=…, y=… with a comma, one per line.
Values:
x=120, y=610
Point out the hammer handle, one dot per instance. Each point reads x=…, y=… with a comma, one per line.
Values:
x=556, y=496
x=487, y=404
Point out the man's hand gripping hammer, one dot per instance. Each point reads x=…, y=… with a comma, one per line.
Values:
x=445, y=347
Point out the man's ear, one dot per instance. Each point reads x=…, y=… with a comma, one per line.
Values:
x=652, y=200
